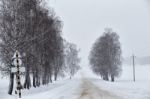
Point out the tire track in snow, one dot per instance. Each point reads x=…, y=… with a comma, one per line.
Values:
x=91, y=91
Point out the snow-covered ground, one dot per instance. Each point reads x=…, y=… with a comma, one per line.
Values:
x=86, y=85
x=124, y=85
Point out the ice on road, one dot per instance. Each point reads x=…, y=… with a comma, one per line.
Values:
x=82, y=88
x=90, y=91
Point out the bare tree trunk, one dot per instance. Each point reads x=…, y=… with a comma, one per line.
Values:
x=27, y=83
x=11, y=83
x=51, y=77
x=34, y=80
x=44, y=78
x=112, y=78
x=37, y=80
x=105, y=77
x=55, y=77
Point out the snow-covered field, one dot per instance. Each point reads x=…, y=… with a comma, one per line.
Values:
x=86, y=85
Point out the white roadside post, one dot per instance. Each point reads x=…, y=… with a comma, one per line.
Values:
x=17, y=62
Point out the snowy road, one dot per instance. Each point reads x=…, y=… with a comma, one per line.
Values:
x=82, y=88
x=85, y=85
x=91, y=91
x=78, y=88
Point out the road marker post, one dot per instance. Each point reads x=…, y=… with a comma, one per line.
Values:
x=17, y=62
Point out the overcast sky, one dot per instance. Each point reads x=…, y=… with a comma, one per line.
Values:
x=85, y=20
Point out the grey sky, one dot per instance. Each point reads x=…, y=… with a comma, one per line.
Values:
x=85, y=20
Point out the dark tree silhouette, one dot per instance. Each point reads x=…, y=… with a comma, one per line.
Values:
x=105, y=57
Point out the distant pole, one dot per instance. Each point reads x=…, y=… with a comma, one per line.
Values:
x=133, y=57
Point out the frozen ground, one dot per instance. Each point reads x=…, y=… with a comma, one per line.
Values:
x=124, y=85
x=86, y=85
x=88, y=90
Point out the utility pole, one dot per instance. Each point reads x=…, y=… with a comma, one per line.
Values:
x=133, y=58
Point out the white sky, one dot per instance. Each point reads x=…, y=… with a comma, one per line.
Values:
x=85, y=20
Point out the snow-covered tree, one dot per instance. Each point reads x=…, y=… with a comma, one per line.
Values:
x=72, y=59
x=105, y=57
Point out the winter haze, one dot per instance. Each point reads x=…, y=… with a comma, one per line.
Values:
x=72, y=49
x=85, y=20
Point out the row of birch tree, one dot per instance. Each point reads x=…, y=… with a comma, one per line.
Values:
x=36, y=32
